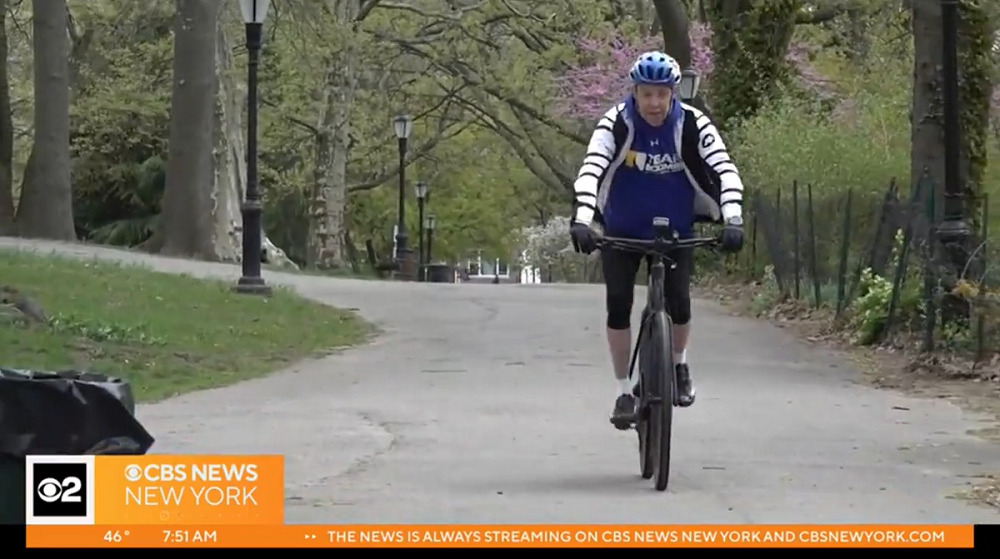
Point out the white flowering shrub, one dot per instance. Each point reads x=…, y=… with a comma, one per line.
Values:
x=549, y=248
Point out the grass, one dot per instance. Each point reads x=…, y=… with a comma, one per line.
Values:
x=166, y=334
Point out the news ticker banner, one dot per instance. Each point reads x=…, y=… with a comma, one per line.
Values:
x=500, y=536
x=233, y=501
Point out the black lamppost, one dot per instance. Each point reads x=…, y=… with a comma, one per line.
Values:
x=688, y=86
x=421, y=201
x=403, y=126
x=954, y=227
x=430, y=236
x=251, y=281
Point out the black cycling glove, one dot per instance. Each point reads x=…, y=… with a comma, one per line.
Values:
x=732, y=235
x=583, y=238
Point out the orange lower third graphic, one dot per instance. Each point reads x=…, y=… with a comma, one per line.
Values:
x=230, y=501
x=533, y=536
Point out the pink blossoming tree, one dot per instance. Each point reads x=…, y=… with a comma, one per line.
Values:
x=589, y=88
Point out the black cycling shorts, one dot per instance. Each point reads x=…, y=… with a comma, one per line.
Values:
x=620, y=268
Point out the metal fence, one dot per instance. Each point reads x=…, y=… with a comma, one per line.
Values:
x=875, y=258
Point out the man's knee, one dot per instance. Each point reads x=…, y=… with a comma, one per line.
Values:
x=680, y=310
x=619, y=283
x=678, y=290
x=619, y=310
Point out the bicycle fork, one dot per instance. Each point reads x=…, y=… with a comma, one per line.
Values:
x=646, y=399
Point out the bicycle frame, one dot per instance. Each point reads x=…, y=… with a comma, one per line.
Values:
x=658, y=250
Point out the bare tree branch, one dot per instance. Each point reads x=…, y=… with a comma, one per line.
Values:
x=445, y=130
x=457, y=69
x=411, y=157
x=366, y=8
x=455, y=14
x=492, y=121
x=461, y=70
x=449, y=96
x=312, y=129
x=544, y=154
x=821, y=15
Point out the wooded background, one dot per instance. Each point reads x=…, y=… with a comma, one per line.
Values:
x=123, y=121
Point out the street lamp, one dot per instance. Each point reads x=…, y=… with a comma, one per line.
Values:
x=430, y=235
x=251, y=281
x=421, y=200
x=688, y=86
x=403, y=126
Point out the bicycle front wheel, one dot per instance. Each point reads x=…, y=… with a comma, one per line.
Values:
x=661, y=413
x=647, y=444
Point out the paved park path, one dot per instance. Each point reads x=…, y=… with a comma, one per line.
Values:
x=486, y=403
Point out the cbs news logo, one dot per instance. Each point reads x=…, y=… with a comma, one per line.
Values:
x=59, y=489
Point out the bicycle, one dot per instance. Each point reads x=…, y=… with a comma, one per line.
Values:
x=657, y=372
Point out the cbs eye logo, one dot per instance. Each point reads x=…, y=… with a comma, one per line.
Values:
x=59, y=491
x=52, y=490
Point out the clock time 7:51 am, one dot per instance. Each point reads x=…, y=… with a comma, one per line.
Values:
x=185, y=536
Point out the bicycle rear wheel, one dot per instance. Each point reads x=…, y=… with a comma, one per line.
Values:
x=661, y=412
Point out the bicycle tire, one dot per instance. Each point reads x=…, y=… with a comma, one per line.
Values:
x=661, y=414
x=646, y=454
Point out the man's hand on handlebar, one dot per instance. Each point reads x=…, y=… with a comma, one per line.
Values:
x=584, y=238
x=731, y=236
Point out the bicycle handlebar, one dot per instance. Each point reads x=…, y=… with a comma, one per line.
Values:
x=658, y=246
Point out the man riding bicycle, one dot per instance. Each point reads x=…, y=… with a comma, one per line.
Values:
x=653, y=156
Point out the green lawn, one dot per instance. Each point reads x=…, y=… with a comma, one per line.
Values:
x=167, y=334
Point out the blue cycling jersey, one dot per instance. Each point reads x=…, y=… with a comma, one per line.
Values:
x=651, y=182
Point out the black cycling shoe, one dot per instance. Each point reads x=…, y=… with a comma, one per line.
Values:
x=624, y=413
x=685, y=388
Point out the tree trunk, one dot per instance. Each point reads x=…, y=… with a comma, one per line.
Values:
x=222, y=161
x=859, y=42
x=46, y=206
x=674, y=23
x=329, y=193
x=187, y=197
x=976, y=34
x=927, y=114
x=7, y=225
x=750, y=39
x=229, y=156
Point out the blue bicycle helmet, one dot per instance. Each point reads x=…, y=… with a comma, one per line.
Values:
x=655, y=68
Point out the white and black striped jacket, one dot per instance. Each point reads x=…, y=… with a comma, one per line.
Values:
x=714, y=176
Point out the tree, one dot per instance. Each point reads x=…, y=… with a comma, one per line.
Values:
x=588, y=88
x=750, y=39
x=976, y=42
x=500, y=58
x=7, y=225
x=675, y=29
x=187, y=198
x=336, y=146
x=45, y=209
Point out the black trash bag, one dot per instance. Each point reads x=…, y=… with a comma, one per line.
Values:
x=67, y=412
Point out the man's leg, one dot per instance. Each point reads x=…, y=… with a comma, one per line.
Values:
x=619, y=269
x=678, y=297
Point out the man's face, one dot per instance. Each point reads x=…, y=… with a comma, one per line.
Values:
x=653, y=101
